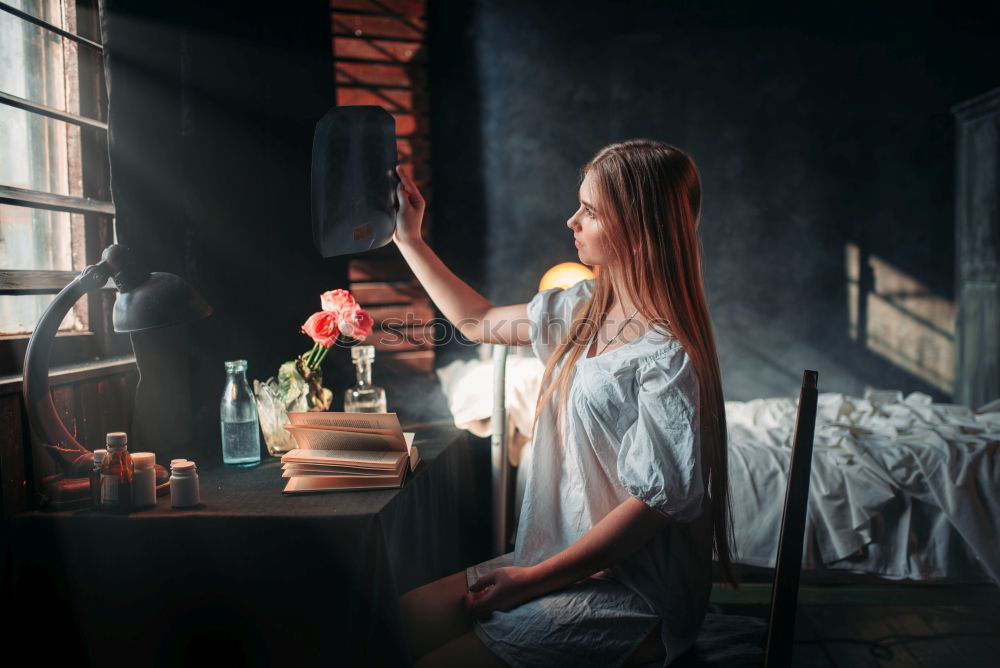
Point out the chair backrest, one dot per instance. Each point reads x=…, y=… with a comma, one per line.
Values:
x=788, y=566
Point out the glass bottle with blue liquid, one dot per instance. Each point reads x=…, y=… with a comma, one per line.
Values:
x=238, y=418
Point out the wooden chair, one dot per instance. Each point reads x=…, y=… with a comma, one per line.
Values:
x=736, y=640
x=788, y=565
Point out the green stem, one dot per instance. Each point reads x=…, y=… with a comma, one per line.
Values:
x=322, y=356
x=312, y=356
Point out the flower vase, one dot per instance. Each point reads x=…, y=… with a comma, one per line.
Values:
x=297, y=388
x=274, y=415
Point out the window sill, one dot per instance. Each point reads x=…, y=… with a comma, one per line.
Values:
x=72, y=373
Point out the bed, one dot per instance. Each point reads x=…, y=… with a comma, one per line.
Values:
x=901, y=488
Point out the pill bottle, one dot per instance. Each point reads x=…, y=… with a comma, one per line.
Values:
x=144, y=480
x=95, y=478
x=184, y=485
x=116, y=474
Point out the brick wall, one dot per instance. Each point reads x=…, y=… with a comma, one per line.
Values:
x=380, y=59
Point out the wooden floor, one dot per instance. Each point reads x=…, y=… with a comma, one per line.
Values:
x=885, y=624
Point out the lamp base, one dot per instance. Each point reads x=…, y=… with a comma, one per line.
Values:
x=62, y=493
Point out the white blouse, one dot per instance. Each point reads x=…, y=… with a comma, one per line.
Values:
x=631, y=429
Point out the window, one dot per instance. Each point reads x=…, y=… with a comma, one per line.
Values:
x=380, y=58
x=55, y=211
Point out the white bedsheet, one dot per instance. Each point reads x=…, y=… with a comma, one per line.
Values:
x=900, y=487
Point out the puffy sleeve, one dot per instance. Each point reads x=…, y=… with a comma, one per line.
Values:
x=659, y=461
x=551, y=312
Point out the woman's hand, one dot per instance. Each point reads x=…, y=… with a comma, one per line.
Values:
x=410, y=215
x=503, y=589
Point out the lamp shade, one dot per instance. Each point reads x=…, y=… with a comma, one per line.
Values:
x=354, y=180
x=162, y=300
x=564, y=275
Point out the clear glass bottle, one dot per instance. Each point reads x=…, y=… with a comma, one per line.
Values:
x=238, y=418
x=364, y=397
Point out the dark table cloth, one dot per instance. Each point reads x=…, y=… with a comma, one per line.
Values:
x=252, y=576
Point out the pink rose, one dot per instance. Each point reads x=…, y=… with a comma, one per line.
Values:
x=321, y=327
x=338, y=301
x=356, y=324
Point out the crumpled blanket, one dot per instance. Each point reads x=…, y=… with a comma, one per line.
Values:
x=901, y=487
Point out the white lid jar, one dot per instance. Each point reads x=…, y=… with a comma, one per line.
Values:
x=144, y=479
x=184, y=491
x=116, y=439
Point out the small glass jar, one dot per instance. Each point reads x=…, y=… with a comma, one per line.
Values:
x=117, y=472
x=364, y=397
x=184, y=485
x=238, y=418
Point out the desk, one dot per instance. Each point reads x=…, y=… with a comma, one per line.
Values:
x=251, y=577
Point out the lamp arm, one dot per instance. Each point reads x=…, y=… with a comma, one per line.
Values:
x=72, y=457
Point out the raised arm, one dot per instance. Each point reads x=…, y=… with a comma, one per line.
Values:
x=472, y=314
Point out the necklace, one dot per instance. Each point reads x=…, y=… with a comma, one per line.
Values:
x=620, y=330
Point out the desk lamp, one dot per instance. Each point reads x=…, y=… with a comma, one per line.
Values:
x=146, y=300
x=354, y=180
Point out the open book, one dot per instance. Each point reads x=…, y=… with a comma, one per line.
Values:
x=342, y=451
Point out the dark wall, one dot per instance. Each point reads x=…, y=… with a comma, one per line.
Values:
x=811, y=131
x=213, y=107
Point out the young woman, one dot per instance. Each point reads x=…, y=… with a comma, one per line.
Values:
x=626, y=496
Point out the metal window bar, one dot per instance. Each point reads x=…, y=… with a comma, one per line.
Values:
x=499, y=457
x=51, y=112
x=342, y=30
x=386, y=13
x=48, y=26
x=41, y=200
x=38, y=282
x=374, y=86
x=504, y=475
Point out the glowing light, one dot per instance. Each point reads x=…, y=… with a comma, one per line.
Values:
x=564, y=275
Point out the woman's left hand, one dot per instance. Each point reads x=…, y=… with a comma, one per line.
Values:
x=503, y=589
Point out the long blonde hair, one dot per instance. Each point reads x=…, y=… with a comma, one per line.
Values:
x=649, y=196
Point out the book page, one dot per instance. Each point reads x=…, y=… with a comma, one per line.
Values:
x=380, y=459
x=302, y=469
x=363, y=421
x=328, y=438
x=414, y=454
x=353, y=430
x=298, y=485
x=291, y=468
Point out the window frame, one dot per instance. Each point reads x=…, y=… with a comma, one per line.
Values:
x=99, y=340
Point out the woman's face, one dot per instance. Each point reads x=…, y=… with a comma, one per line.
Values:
x=587, y=227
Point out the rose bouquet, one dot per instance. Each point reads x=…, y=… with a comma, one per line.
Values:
x=299, y=385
